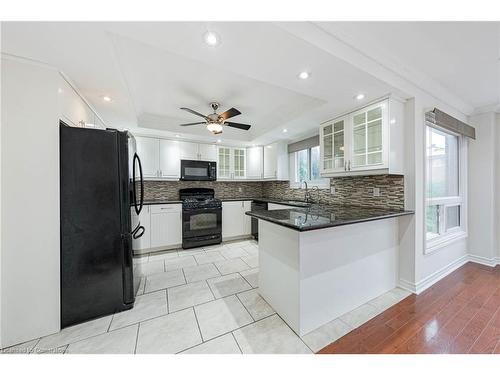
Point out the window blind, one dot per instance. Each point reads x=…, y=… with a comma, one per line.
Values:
x=303, y=144
x=448, y=122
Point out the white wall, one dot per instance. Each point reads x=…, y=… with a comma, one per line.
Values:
x=482, y=176
x=30, y=202
x=426, y=268
x=497, y=186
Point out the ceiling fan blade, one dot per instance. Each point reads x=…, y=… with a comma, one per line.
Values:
x=195, y=113
x=231, y=112
x=237, y=125
x=193, y=123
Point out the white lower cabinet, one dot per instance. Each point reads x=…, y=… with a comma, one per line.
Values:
x=166, y=225
x=234, y=221
x=162, y=227
x=163, y=224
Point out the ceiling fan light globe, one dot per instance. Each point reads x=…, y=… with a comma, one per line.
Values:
x=215, y=128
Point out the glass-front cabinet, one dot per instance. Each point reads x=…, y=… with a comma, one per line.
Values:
x=224, y=163
x=231, y=163
x=360, y=141
x=367, y=134
x=332, y=142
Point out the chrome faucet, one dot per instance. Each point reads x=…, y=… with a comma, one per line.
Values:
x=307, y=195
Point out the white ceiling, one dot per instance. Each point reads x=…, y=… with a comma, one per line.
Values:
x=463, y=57
x=150, y=69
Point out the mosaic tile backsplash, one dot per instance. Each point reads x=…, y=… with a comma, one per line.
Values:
x=355, y=190
x=169, y=190
x=352, y=191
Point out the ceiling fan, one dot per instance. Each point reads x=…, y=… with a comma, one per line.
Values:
x=215, y=121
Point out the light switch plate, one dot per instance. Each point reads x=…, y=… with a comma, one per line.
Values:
x=376, y=192
x=332, y=190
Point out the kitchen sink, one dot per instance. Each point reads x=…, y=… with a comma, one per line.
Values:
x=298, y=203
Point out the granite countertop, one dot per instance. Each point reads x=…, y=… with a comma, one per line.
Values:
x=319, y=217
x=260, y=199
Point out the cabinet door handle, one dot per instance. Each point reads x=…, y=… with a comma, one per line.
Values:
x=349, y=165
x=161, y=173
x=345, y=165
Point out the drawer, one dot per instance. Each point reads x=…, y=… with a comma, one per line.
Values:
x=162, y=208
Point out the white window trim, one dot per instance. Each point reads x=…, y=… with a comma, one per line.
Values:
x=457, y=233
x=323, y=183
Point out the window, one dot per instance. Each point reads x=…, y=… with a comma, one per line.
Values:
x=444, y=218
x=306, y=167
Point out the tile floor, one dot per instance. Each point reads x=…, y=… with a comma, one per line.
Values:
x=201, y=301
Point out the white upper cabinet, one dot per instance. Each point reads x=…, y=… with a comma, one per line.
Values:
x=333, y=144
x=161, y=159
x=231, y=163
x=276, y=161
x=170, y=166
x=188, y=151
x=207, y=152
x=239, y=163
x=148, y=150
x=255, y=163
x=367, y=141
x=198, y=151
x=224, y=163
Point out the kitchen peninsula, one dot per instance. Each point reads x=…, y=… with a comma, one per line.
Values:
x=319, y=263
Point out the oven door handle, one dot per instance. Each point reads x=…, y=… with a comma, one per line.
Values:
x=201, y=209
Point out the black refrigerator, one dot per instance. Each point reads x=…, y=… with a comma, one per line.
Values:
x=101, y=181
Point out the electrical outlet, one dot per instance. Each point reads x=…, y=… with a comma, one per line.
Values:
x=376, y=192
x=240, y=189
x=332, y=190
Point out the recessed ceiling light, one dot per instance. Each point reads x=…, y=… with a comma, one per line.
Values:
x=304, y=75
x=219, y=141
x=285, y=130
x=106, y=98
x=211, y=38
x=360, y=96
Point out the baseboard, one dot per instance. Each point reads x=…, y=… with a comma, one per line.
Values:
x=407, y=285
x=430, y=280
x=490, y=262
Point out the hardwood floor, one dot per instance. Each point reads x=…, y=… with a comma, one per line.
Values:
x=458, y=314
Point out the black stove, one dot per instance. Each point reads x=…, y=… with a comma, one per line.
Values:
x=201, y=217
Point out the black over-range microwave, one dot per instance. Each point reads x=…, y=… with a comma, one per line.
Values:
x=198, y=170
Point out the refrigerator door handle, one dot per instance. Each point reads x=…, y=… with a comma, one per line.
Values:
x=138, y=231
x=138, y=208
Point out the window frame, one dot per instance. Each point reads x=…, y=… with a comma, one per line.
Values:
x=321, y=183
x=446, y=237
